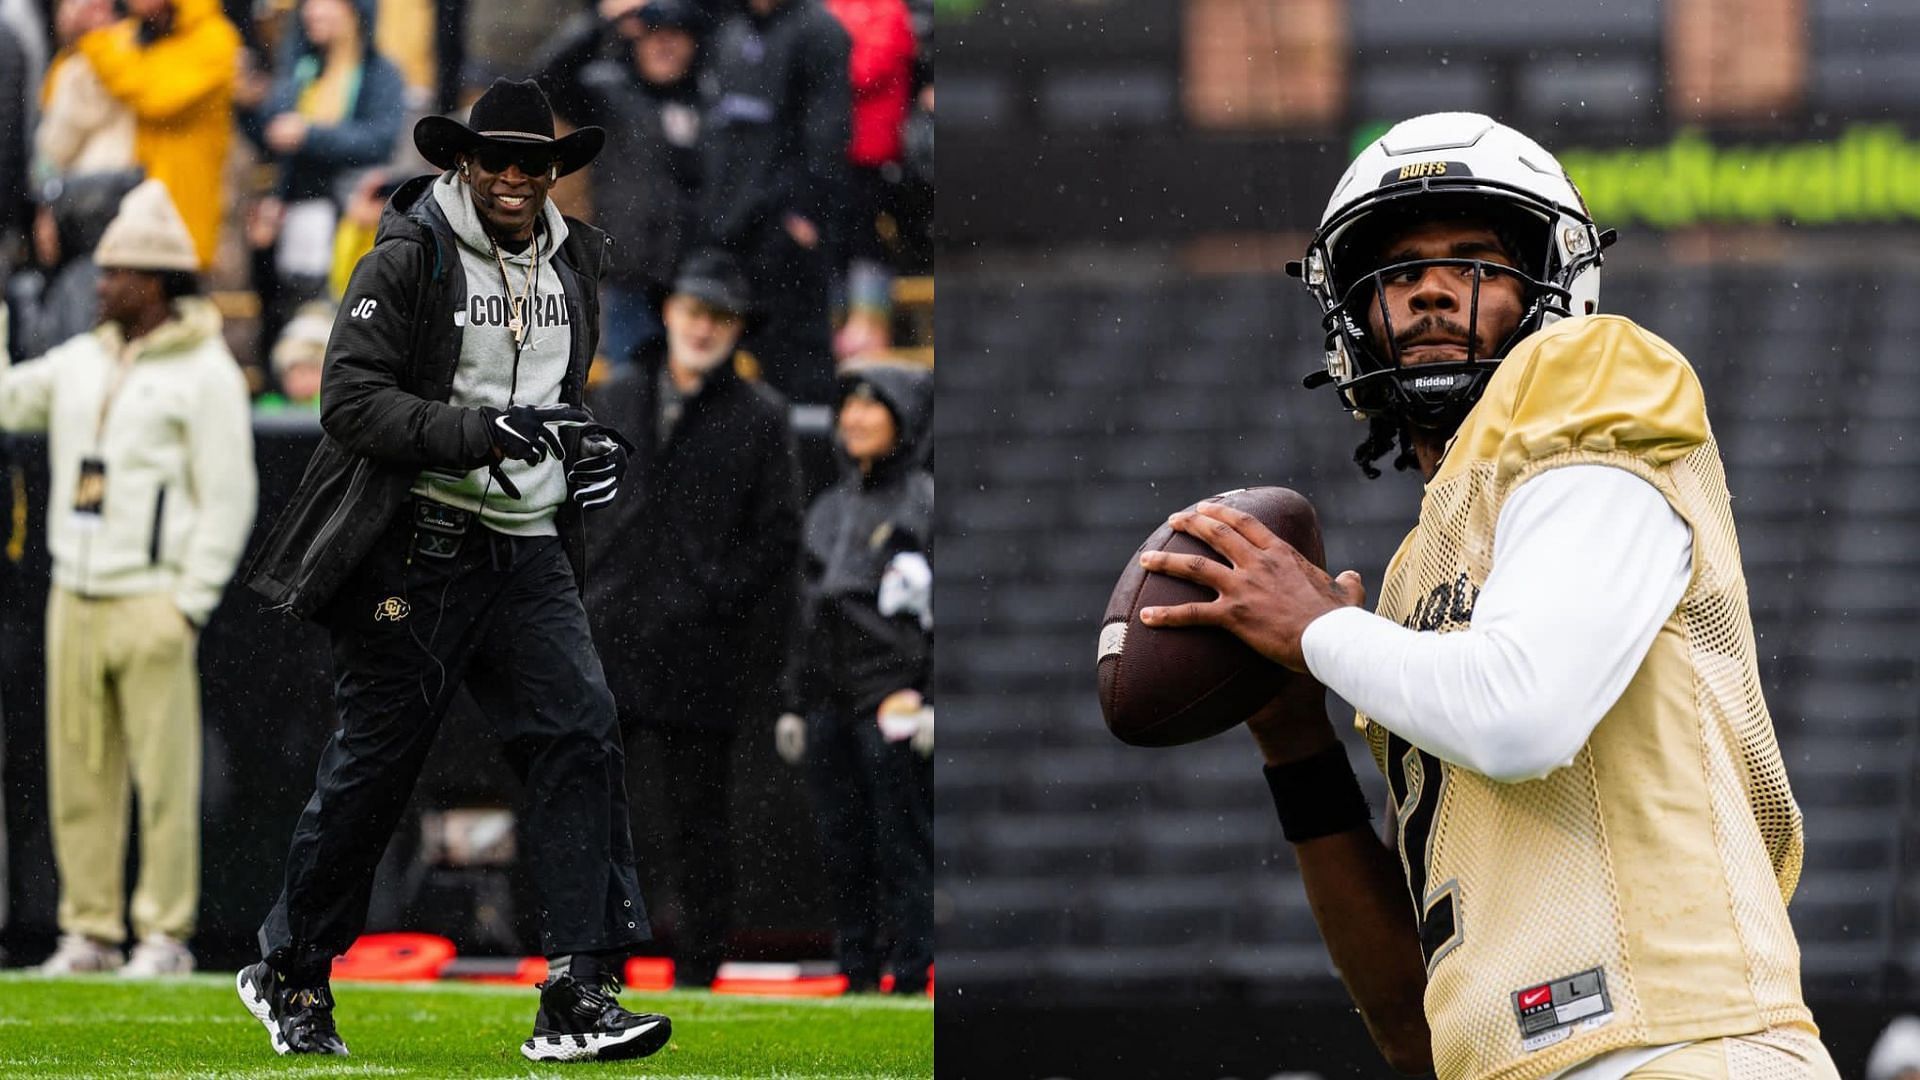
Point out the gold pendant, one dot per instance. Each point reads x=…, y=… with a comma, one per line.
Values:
x=516, y=326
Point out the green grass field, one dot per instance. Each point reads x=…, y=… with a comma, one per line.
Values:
x=107, y=1028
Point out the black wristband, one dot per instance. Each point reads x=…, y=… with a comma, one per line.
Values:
x=1317, y=796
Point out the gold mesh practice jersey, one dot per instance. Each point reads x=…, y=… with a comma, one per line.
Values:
x=1637, y=897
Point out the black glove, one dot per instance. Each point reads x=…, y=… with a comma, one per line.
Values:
x=507, y=487
x=525, y=432
x=594, y=477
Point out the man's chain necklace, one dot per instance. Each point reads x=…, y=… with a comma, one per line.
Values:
x=517, y=313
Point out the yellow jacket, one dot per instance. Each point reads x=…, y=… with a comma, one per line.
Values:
x=180, y=89
x=351, y=241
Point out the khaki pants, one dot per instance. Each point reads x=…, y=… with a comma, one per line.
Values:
x=123, y=712
x=1777, y=1054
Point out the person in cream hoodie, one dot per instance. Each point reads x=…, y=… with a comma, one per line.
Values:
x=151, y=447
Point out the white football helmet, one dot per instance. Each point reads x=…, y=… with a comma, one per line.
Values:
x=1459, y=164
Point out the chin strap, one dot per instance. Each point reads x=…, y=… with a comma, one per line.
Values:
x=1435, y=407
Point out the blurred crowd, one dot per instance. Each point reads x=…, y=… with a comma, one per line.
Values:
x=796, y=136
x=767, y=176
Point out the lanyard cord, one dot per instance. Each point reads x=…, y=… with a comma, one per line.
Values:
x=533, y=290
x=122, y=367
x=123, y=363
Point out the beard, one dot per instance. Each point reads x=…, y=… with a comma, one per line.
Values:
x=701, y=361
x=1432, y=324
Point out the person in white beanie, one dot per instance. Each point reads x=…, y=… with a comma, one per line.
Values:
x=299, y=353
x=151, y=448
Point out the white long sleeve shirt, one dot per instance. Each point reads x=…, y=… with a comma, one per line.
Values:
x=1588, y=562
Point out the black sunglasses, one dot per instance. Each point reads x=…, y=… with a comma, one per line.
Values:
x=533, y=160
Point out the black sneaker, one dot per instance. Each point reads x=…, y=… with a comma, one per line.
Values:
x=578, y=1022
x=298, y=1019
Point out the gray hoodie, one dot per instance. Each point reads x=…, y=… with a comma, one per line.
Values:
x=487, y=375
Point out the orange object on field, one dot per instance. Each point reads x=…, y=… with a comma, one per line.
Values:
x=394, y=957
x=806, y=986
x=886, y=982
x=649, y=973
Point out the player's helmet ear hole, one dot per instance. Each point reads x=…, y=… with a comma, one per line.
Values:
x=1591, y=305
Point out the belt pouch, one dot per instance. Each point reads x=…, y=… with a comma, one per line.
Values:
x=438, y=529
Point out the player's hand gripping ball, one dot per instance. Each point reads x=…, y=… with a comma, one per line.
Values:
x=1163, y=686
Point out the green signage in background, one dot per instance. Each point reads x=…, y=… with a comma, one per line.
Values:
x=1869, y=174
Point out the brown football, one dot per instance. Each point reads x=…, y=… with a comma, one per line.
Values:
x=1166, y=686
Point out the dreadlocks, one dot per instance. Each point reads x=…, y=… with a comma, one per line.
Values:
x=1383, y=431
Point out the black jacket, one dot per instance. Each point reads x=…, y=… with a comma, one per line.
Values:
x=383, y=399
x=850, y=655
x=645, y=182
x=778, y=119
x=693, y=562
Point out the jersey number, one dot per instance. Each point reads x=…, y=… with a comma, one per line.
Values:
x=1416, y=780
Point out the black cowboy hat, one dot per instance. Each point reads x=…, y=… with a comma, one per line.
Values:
x=510, y=115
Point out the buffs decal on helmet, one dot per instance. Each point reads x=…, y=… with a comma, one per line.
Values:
x=1459, y=164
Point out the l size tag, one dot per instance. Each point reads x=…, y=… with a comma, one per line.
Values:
x=90, y=494
x=1554, y=1011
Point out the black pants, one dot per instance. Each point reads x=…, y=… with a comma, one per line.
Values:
x=873, y=801
x=793, y=339
x=696, y=767
x=504, y=615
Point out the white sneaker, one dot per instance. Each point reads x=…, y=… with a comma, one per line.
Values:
x=158, y=957
x=79, y=954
